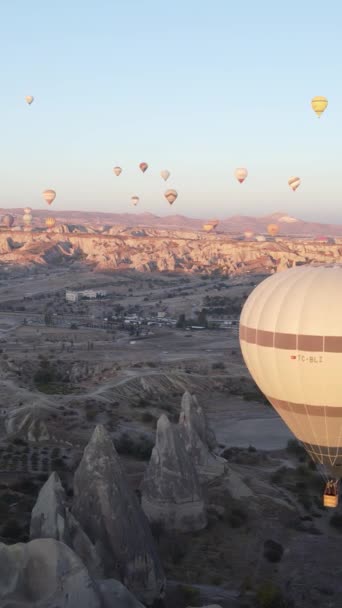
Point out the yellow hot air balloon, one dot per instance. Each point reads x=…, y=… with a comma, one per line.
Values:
x=171, y=196
x=117, y=170
x=294, y=182
x=319, y=104
x=50, y=222
x=273, y=229
x=208, y=227
x=165, y=174
x=143, y=167
x=241, y=174
x=135, y=200
x=49, y=196
x=291, y=341
x=29, y=99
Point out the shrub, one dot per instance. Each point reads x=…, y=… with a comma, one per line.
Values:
x=218, y=365
x=273, y=551
x=336, y=521
x=269, y=596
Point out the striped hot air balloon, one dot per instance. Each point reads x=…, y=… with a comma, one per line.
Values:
x=171, y=196
x=294, y=182
x=319, y=105
x=49, y=196
x=291, y=341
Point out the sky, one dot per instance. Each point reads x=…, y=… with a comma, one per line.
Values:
x=192, y=86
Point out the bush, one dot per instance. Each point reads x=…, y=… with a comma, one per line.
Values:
x=269, y=596
x=218, y=365
x=139, y=447
x=236, y=517
x=147, y=417
x=273, y=551
x=336, y=521
x=190, y=594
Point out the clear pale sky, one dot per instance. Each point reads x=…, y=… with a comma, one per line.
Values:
x=198, y=87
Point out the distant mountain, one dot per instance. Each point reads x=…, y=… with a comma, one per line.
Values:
x=236, y=224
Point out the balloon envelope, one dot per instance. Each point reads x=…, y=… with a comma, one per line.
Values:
x=117, y=170
x=208, y=227
x=319, y=104
x=171, y=196
x=294, y=182
x=143, y=167
x=49, y=196
x=273, y=229
x=50, y=222
x=165, y=174
x=29, y=99
x=291, y=341
x=135, y=200
x=241, y=174
x=8, y=220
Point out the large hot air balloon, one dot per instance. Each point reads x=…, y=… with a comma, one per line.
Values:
x=319, y=104
x=273, y=229
x=143, y=167
x=117, y=170
x=291, y=341
x=50, y=222
x=135, y=200
x=165, y=174
x=8, y=220
x=248, y=234
x=29, y=99
x=171, y=196
x=49, y=196
x=294, y=182
x=241, y=174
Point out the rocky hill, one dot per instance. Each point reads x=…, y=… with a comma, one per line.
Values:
x=148, y=250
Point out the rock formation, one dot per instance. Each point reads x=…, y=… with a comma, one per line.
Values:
x=162, y=250
x=51, y=518
x=171, y=492
x=29, y=421
x=199, y=420
x=110, y=514
x=45, y=573
x=194, y=431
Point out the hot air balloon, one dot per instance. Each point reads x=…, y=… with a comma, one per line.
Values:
x=117, y=170
x=273, y=229
x=50, y=222
x=49, y=196
x=208, y=227
x=319, y=104
x=29, y=99
x=165, y=174
x=8, y=220
x=135, y=200
x=27, y=218
x=171, y=196
x=248, y=234
x=143, y=167
x=294, y=182
x=241, y=174
x=291, y=341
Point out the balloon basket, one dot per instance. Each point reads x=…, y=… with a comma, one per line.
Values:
x=330, y=501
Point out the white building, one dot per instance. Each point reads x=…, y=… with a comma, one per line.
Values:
x=89, y=294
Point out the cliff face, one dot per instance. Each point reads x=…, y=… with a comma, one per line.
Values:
x=154, y=250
